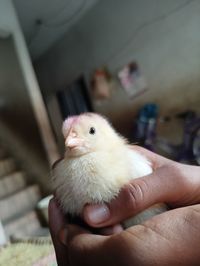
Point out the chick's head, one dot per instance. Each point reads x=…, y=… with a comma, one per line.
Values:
x=89, y=132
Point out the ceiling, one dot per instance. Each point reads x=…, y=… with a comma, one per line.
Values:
x=44, y=22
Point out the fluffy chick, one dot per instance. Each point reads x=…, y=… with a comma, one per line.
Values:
x=98, y=162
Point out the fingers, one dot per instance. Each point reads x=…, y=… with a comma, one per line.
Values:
x=83, y=247
x=155, y=159
x=70, y=241
x=69, y=232
x=56, y=223
x=166, y=239
x=177, y=233
x=111, y=230
x=160, y=186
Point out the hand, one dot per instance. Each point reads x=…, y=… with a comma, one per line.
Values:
x=172, y=238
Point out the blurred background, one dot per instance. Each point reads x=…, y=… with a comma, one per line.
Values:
x=136, y=62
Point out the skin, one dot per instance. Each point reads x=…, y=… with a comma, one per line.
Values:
x=171, y=238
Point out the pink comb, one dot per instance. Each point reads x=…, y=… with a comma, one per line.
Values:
x=68, y=123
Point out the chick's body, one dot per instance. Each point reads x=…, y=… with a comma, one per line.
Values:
x=97, y=164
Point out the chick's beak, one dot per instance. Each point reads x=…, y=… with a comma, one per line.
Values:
x=73, y=141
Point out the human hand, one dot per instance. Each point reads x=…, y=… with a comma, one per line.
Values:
x=172, y=183
x=171, y=238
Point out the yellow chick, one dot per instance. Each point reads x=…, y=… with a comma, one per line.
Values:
x=98, y=162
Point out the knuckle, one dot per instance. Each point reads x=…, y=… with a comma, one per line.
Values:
x=177, y=175
x=135, y=195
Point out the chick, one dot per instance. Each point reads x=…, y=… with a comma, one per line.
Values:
x=98, y=162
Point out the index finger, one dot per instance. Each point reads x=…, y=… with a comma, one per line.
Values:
x=154, y=158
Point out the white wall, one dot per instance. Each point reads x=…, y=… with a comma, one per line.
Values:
x=9, y=23
x=163, y=36
x=19, y=133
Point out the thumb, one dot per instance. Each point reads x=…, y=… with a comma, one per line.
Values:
x=136, y=196
x=56, y=223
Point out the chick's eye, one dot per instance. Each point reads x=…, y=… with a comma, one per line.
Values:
x=92, y=131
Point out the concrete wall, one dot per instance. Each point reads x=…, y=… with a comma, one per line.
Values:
x=24, y=125
x=9, y=23
x=162, y=36
x=19, y=132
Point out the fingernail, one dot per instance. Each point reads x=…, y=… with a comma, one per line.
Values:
x=98, y=213
x=117, y=229
x=63, y=236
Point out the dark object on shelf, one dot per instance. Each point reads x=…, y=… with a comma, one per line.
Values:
x=145, y=126
x=190, y=150
x=74, y=99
